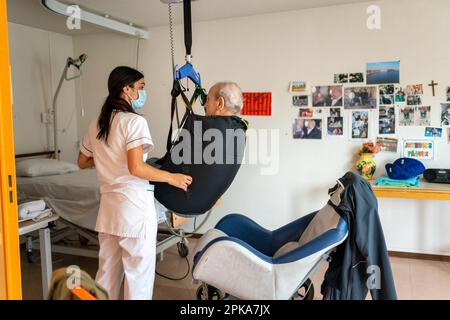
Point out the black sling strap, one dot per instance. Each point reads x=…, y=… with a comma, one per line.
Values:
x=176, y=92
x=187, y=26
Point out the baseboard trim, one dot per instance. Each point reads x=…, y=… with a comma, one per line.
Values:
x=419, y=256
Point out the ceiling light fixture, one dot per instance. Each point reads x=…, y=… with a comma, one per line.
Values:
x=102, y=21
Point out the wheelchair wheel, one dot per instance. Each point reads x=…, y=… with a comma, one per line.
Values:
x=305, y=292
x=212, y=294
x=183, y=250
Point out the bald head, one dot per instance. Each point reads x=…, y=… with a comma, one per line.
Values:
x=224, y=99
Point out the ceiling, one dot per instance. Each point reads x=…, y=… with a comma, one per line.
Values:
x=153, y=13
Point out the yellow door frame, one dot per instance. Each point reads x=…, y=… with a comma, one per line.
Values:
x=10, y=277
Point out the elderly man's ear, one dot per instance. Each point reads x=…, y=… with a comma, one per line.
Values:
x=221, y=105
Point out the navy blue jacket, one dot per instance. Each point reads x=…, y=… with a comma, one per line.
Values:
x=361, y=263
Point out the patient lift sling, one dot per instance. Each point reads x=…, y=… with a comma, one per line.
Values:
x=210, y=181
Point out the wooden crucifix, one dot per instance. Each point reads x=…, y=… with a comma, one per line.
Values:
x=433, y=84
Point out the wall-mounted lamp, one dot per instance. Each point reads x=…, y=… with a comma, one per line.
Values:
x=102, y=21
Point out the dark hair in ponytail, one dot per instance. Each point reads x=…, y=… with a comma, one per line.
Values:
x=119, y=78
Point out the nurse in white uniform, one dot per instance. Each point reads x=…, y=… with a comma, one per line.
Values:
x=117, y=144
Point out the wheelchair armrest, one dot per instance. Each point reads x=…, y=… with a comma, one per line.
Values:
x=330, y=239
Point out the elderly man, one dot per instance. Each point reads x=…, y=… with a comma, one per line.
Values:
x=224, y=99
x=311, y=130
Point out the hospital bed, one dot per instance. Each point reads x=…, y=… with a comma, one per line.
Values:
x=75, y=198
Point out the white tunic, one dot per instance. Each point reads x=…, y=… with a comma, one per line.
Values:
x=127, y=206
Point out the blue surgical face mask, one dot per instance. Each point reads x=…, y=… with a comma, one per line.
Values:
x=140, y=102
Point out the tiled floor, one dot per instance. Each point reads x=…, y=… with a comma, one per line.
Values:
x=414, y=279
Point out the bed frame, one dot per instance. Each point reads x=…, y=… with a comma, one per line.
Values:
x=165, y=239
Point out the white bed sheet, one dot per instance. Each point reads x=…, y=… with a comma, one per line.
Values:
x=74, y=196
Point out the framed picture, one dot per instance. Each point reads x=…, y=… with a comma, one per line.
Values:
x=415, y=89
x=307, y=129
x=310, y=112
x=387, y=94
x=388, y=144
x=445, y=114
x=357, y=77
x=327, y=96
x=335, y=126
x=407, y=116
x=383, y=72
x=423, y=116
x=386, y=120
x=341, y=78
x=300, y=101
x=335, y=112
x=400, y=95
x=433, y=132
x=298, y=86
x=360, y=97
x=360, y=125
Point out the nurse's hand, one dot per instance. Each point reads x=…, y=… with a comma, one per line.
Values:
x=180, y=181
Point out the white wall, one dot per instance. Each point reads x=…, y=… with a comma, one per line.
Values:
x=265, y=52
x=37, y=61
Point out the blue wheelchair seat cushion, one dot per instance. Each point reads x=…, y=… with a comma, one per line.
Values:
x=404, y=169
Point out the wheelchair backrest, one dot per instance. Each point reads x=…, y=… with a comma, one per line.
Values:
x=326, y=219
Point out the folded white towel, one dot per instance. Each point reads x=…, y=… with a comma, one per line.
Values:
x=37, y=216
x=34, y=206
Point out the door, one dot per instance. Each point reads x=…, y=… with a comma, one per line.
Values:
x=10, y=281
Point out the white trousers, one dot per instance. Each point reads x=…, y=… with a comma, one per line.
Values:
x=131, y=258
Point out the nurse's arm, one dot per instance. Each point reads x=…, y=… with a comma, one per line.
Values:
x=140, y=169
x=85, y=162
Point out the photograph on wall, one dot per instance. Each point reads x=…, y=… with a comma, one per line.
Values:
x=445, y=114
x=327, y=96
x=307, y=129
x=418, y=149
x=356, y=77
x=413, y=90
x=360, y=97
x=423, y=116
x=407, y=116
x=414, y=100
x=400, y=95
x=431, y=132
x=257, y=104
x=341, y=78
x=383, y=72
x=387, y=120
x=387, y=94
x=335, y=126
x=310, y=112
x=360, y=125
x=298, y=86
x=448, y=94
x=388, y=144
x=300, y=101
x=335, y=112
